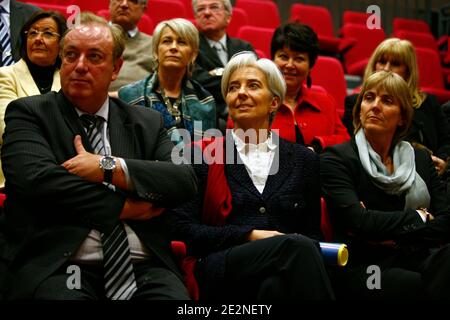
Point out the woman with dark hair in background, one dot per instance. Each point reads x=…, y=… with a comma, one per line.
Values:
x=306, y=116
x=37, y=72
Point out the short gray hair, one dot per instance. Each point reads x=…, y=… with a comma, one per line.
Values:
x=183, y=28
x=226, y=4
x=275, y=79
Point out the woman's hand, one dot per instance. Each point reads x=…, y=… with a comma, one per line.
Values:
x=439, y=164
x=262, y=234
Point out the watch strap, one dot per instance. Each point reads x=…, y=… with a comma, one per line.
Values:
x=107, y=176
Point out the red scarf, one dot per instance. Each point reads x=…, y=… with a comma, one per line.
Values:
x=216, y=202
x=217, y=199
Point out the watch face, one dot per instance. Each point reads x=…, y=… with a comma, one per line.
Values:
x=108, y=163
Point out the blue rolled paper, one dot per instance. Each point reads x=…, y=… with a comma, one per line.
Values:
x=334, y=253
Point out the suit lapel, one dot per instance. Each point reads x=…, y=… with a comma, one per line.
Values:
x=284, y=159
x=210, y=53
x=72, y=120
x=232, y=48
x=121, y=133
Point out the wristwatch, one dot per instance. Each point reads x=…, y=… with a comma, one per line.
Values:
x=107, y=164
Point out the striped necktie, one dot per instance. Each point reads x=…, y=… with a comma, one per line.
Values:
x=5, y=41
x=120, y=283
x=221, y=52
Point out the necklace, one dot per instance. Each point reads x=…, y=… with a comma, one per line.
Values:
x=172, y=108
x=45, y=89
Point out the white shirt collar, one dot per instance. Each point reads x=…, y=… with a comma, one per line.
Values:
x=102, y=112
x=265, y=146
x=222, y=41
x=133, y=33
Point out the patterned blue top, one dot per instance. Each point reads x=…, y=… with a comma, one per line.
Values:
x=197, y=105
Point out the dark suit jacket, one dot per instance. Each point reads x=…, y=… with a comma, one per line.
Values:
x=290, y=203
x=20, y=13
x=49, y=212
x=208, y=59
x=345, y=183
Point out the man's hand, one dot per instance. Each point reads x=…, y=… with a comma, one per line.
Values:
x=139, y=210
x=262, y=234
x=84, y=164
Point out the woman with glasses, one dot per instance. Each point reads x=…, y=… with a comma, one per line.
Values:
x=184, y=104
x=37, y=72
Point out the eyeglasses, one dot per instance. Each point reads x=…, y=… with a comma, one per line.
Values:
x=47, y=35
x=214, y=8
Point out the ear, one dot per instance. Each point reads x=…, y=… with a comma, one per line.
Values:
x=228, y=19
x=275, y=104
x=116, y=69
x=194, y=57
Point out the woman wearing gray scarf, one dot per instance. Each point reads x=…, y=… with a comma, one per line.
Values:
x=386, y=202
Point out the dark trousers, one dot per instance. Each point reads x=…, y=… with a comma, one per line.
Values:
x=416, y=275
x=288, y=267
x=154, y=282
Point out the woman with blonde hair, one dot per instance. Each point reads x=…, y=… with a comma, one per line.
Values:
x=170, y=89
x=386, y=201
x=429, y=127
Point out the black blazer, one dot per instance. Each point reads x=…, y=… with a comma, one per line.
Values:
x=290, y=203
x=208, y=60
x=49, y=212
x=20, y=13
x=345, y=183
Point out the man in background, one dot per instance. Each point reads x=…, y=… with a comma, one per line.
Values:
x=216, y=48
x=13, y=16
x=138, y=47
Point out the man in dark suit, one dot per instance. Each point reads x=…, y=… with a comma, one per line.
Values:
x=216, y=48
x=17, y=14
x=63, y=198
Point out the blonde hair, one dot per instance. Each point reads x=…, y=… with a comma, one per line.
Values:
x=184, y=29
x=395, y=86
x=401, y=52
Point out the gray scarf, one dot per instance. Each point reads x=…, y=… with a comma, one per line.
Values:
x=404, y=178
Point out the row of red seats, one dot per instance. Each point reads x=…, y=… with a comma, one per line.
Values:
x=356, y=45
